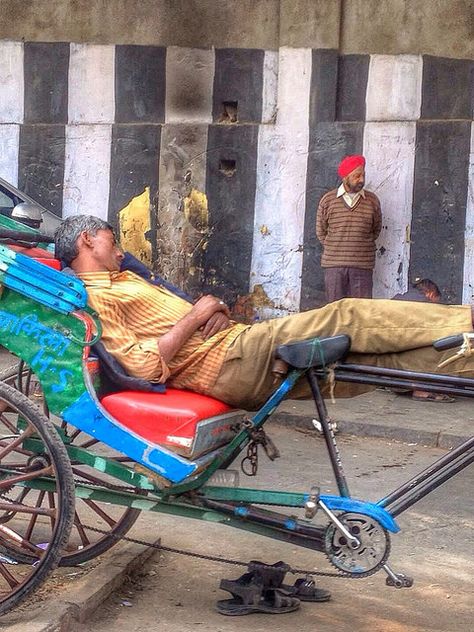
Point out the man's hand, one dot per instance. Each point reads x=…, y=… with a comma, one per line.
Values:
x=199, y=316
x=216, y=323
x=206, y=307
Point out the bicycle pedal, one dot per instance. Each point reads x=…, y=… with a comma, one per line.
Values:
x=401, y=581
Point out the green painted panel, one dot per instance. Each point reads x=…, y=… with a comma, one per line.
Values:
x=51, y=343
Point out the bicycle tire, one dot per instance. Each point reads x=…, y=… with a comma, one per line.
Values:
x=55, y=455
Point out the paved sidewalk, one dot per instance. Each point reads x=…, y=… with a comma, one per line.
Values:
x=382, y=413
x=71, y=595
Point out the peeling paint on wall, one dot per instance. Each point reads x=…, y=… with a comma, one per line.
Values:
x=195, y=236
x=250, y=307
x=134, y=222
x=182, y=220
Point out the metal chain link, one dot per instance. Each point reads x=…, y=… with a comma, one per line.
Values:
x=214, y=558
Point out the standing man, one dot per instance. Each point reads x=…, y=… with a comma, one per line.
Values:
x=348, y=222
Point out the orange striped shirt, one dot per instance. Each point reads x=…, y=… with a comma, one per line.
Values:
x=134, y=314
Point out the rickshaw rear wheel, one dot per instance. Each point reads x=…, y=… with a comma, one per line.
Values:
x=83, y=545
x=22, y=422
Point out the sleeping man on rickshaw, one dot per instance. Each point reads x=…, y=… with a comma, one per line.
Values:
x=159, y=336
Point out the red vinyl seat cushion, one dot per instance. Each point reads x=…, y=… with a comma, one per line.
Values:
x=41, y=255
x=157, y=416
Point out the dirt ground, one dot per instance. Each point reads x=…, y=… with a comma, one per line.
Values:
x=436, y=546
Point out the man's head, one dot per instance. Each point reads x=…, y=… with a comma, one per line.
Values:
x=352, y=171
x=87, y=244
x=429, y=288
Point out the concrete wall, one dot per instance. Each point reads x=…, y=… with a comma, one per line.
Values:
x=435, y=27
x=187, y=23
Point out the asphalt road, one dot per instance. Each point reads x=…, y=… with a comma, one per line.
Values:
x=436, y=546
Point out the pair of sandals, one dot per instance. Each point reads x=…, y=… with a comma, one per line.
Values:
x=256, y=592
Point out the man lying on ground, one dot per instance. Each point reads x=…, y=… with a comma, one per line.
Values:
x=160, y=337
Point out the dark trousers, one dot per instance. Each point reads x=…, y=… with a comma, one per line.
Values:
x=347, y=283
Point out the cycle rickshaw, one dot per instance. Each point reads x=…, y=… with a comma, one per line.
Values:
x=133, y=450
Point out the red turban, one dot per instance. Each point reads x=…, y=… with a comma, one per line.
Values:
x=349, y=163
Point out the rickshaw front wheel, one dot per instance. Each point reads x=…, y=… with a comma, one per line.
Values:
x=114, y=520
x=33, y=464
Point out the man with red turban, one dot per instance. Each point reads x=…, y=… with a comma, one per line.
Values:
x=348, y=222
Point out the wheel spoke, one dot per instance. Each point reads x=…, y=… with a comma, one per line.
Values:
x=7, y=535
x=34, y=517
x=6, y=422
x=80, y=529
x=10, y=579
x=28, y=476
x=27, y=433
x=11, y=506
x=52, y=504
x=88, y=444
x=105, y=517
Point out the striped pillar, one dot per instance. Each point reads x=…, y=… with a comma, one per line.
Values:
x=281, y=183
x=393, y=107
x=468, y=276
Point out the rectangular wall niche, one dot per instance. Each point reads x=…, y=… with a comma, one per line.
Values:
x=229, y=112
x=227, y=167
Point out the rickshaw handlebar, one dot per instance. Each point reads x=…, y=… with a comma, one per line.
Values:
x=17, y=235
x=449, y=342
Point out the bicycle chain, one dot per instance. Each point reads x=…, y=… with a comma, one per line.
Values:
x=202, y=556
x=212, y=558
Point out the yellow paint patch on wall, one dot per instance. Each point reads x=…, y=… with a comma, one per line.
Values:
x=134, y=222
x=196, y=210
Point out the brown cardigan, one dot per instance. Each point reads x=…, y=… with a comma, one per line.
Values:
x=348, y=234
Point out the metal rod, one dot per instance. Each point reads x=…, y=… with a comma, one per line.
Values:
x=268, y=519
x=429, y=471
x=402, y=373
x=329, y=435
x=343, y=376
x=441, y=477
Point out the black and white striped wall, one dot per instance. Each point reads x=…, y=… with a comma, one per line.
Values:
x=84, y=128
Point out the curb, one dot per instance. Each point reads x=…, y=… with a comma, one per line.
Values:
x=79, y=601
x=430, y=438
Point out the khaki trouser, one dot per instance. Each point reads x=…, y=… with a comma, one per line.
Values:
x=392, y=334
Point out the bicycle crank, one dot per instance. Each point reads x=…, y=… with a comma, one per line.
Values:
x=370, y=552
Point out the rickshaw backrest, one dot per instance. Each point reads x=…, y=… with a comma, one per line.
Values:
x=113, y=376
x=40, y=282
